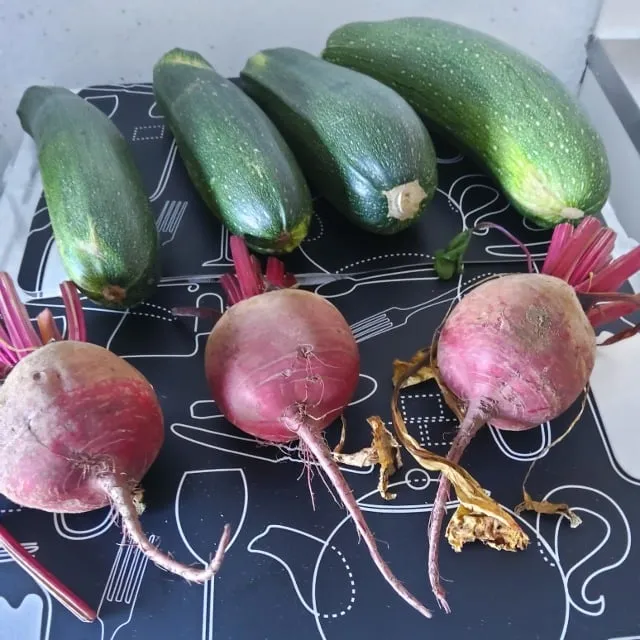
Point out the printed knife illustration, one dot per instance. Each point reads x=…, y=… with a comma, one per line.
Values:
x=304, y=279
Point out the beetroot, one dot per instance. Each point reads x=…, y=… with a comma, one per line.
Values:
x=282, y=365
x=519, y=349
x=79, y=426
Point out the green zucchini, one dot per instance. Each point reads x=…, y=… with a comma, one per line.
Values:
x=502, y=107
x=235, y=157
x=100, y=214
x=360, y=145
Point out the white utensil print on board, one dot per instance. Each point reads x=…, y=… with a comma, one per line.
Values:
x=278, y=542
x=348, y=284
x=395, y=317
x=120, y=593
x=25, y=621
x=31, y=619
x=65, y=528
x=199, y=490
x=169, y=220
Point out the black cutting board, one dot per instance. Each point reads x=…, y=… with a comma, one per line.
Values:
x=292, y=569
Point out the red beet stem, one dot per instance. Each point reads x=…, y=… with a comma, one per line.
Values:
x=316, y=445
x=76, y=325
x=248, y=278
x=275, y=273
x=622, y=335
x=602, y=308
x=475, y=418
x=231, y=288
x=22, y=336
x=205, y=313
x=611, y=277
x=47, y=327
x=120, y=494
x=8, y=354
x=610, y=311
x=561, y=235
x=24, y=559
x=582, y=238
x=595, y=257
x=525, y=250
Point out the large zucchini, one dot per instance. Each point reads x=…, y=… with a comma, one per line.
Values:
x=360, y=145
x=237, y=160
x=501, y=106
x=100, y=215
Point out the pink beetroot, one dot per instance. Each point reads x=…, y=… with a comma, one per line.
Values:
x=79, y=426
x=519, y=349
x=282, y=365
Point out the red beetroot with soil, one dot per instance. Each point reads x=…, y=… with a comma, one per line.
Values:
x=282, y=364
x=518, y=350
x=79, y=426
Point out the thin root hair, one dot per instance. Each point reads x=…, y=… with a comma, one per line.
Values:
x=309, y=461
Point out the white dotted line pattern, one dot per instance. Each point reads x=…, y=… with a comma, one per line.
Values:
x=400, y=254
x=423, y=422
x=452, y=206
x=155, y=306
x=545, y=557
x=320, y=233
x=17, y=510
x=352, y=584
x=432, y=419
x=158, y=136
x=167, y=318
x=150, y=315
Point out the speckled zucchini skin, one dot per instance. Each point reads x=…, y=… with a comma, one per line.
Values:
x=237, y=160
x=354, y=138
x=100, y=214
x=501, y=106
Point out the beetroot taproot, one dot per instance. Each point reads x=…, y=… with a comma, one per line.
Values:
x=282, y=365
x=79, y=426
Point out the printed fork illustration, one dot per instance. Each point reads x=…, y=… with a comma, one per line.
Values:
x=121, y=591
x=170, y=218
x=394, y=317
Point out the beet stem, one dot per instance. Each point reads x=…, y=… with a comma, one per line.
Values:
x=76, y=326
x=16, y=319
x=561, y=235
x=248, y=278
x=231, y=287
x=204, y=313
x=316, y=445
x=47, y=326
x=57, y=589
x=120, y=493
x=474, y=420
x=508, y=234
x=574, y=248
x=8, y=353
x=613, y=276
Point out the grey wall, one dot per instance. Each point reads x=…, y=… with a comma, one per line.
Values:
x=77, y=42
